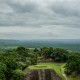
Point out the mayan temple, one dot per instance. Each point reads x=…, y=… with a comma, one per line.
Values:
x=42, y=74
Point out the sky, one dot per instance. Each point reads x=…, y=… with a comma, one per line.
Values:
x=39, y=19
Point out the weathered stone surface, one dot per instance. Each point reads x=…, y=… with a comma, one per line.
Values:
x=42, y=74
x=48, y=74
x=34, y=75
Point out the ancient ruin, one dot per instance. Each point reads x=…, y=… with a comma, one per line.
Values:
x=42, y=74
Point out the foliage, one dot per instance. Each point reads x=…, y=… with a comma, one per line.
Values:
x=35, y=50
x=32, y=58
x=46, y=52
x=22, y=65
x=11, y=65
x=12, y=62
x=2, y=71
x=22, y=53
x=60, y=55
x=18, y=75
x=73, y=64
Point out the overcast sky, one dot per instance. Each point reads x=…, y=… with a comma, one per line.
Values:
x=39, y=19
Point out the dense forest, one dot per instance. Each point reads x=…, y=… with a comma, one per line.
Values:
x=13, y=62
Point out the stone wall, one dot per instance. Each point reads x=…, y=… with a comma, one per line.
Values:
x=46, y=74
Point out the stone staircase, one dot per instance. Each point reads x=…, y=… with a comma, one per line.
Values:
x=42, y=74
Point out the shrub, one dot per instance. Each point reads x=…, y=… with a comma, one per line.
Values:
x=18, y=75
x=2, y=71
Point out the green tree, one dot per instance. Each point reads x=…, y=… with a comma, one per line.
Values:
x=60, y=55
x=11, y=65
x=22, y=53
x=73, y=64
x=35, y=50
x=46, y=52
x=50, y=51
x=18, y=75
x=32, y=58
x=2, y=71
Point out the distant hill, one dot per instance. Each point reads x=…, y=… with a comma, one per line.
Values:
x=70, y=44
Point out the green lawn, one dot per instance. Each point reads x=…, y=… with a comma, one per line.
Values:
x=58, y=67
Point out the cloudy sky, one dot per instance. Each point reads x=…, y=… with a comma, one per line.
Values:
x=39, y=19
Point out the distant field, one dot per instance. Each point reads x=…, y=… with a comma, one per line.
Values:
x=69, y=44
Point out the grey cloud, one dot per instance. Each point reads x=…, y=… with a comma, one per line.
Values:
x=66, y=8
x=22, y=8
x=23, y=15
x=31, y=14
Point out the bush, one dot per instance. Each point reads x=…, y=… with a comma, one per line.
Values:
x=18, y=75
x=73, y=64
x=22, y=65
x=2, y=71
x=28, y=62
x=60, y=55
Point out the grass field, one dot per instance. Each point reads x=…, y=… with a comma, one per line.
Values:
x=58, y=67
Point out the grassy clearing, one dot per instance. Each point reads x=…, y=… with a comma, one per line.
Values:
x=38, y=67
